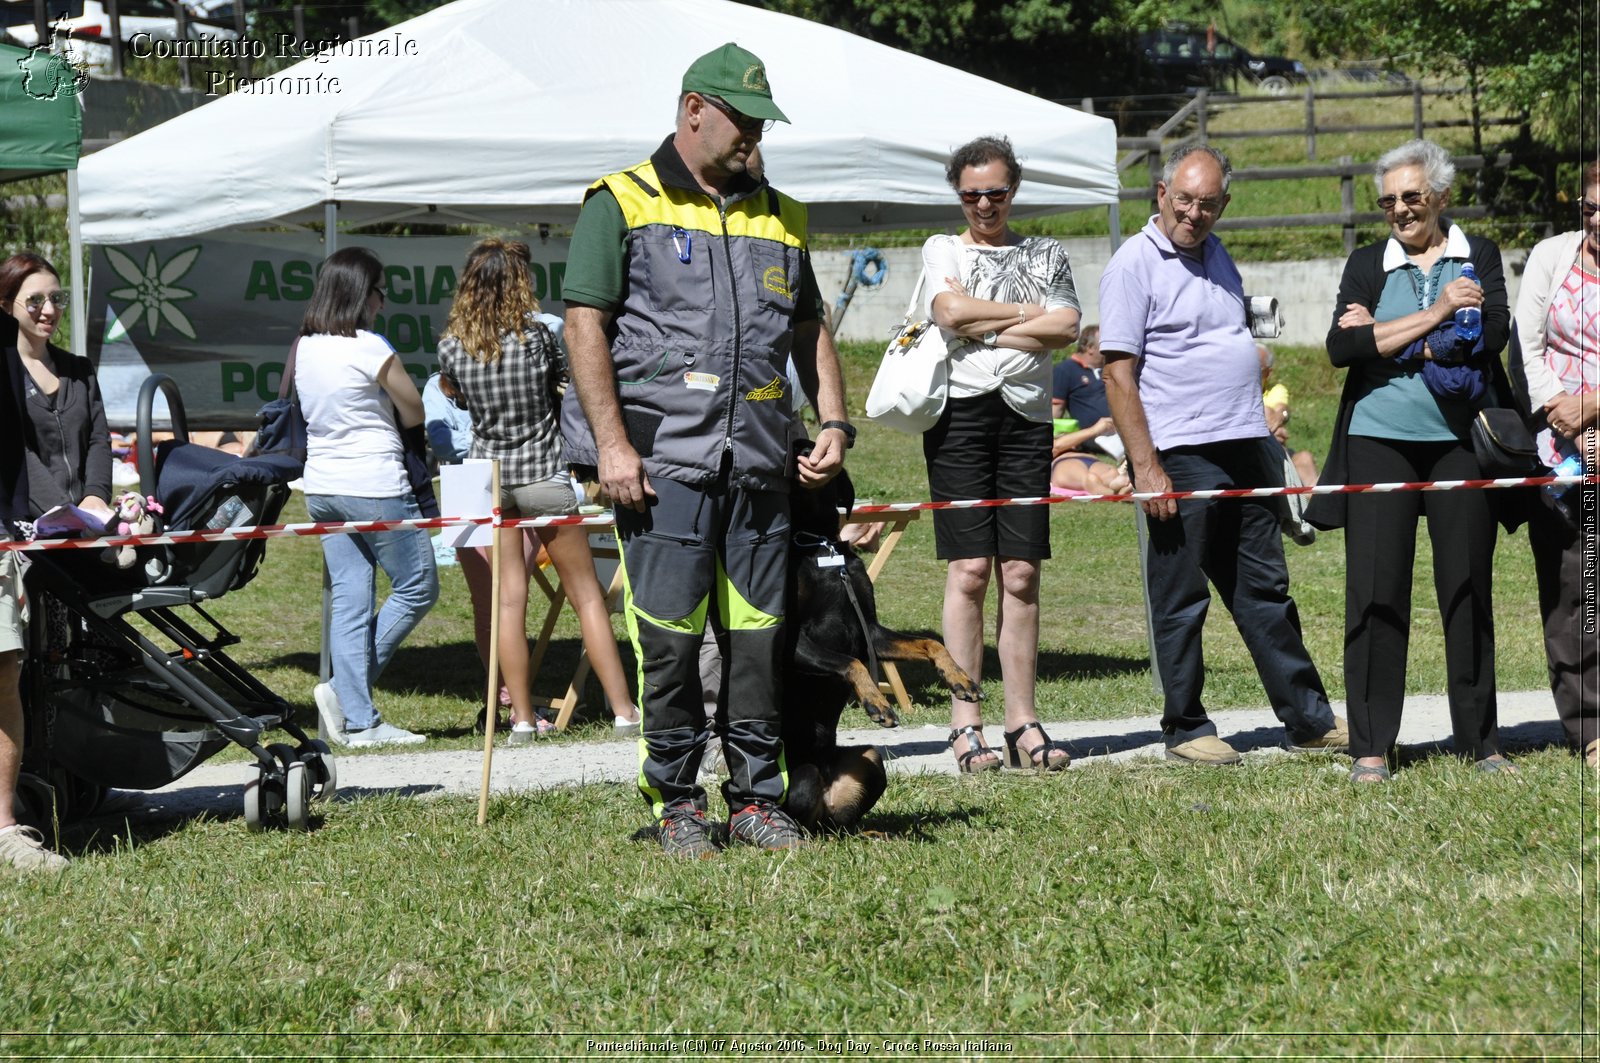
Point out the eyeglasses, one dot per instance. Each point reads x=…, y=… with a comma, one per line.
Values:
x=382, y=298
x=1185, y=202
x=1587, y=208
x=993, y=195
x=1410, y=199
x=35, y=302
x=743, y=122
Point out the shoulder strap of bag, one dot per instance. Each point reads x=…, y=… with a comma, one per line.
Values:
x=286, y=384
x=916, y=294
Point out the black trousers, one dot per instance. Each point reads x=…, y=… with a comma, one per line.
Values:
x=716, y=554
x=1380, y=545
x=1237, y=545
x=1568, y=594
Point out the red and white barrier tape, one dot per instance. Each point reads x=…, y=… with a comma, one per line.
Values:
x=605, y=520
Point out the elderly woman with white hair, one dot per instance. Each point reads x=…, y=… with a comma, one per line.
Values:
x=1412, y=390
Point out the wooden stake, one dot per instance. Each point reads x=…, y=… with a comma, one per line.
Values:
x=491, y=699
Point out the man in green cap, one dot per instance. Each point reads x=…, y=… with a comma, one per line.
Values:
x=688, y=289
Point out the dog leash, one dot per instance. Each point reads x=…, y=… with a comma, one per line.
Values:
x=809, y=541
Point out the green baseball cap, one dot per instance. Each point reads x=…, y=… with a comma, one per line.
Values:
x=736, y=76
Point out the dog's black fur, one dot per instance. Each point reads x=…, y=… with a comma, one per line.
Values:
x=831, y=786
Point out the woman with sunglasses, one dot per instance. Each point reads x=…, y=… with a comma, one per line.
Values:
x=357, y=397
x=1412, y=390
x=1004, y=303
x=68, y=445
x=1558, y=326
x=505, y=367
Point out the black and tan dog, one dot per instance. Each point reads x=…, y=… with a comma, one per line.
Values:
x=831, y=786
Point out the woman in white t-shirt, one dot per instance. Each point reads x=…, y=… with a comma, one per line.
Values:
x=1004, y=303
x=356, y=397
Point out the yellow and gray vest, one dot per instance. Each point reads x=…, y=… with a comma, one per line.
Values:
x=701, y=340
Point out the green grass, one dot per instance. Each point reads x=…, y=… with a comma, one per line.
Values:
x=1124, y=911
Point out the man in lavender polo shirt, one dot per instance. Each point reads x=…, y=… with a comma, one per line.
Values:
x=1184, y=386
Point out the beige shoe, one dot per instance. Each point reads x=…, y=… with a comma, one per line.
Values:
x=1591, y=754
x=1336, y=740
x=1207, y=749
x=23, y=848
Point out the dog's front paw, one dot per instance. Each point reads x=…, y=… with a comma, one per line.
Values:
x=963, y=687
x=880, y=711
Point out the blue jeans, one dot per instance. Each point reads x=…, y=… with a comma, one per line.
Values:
x=362, y=637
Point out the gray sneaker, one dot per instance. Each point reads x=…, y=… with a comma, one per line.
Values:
x=383, y=734
x=329, y=717
x=765, y=826
x=686, y=832
x=23, y=848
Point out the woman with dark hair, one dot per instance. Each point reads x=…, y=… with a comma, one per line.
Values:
x=1003, y=303
x=68, y=444
x=1410, y=395
x=504, y=366
x=1558, y=329
x=356, y=397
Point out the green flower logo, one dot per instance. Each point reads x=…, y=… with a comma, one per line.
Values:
x=153, y=291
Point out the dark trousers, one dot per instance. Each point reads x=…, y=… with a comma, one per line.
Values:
x=716, y=554
x=1237, y=545
x=1567, y=588
x=982, y=448
x=1380, y=545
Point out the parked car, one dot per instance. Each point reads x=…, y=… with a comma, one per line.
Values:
x=1188, y=56
x=85, y=26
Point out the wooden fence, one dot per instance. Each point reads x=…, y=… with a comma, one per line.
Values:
x=1152, y=148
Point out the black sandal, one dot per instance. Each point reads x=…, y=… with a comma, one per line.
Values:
x=976, y=747
x=1039, y=756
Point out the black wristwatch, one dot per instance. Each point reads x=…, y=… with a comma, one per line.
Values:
x=847, y=428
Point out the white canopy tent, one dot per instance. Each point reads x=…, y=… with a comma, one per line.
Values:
x=504, y=111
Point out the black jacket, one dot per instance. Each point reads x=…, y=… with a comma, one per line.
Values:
x=68, y=444
x=13, y=445
x=1354, y=348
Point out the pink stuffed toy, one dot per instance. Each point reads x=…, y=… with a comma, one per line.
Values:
x=135, y=515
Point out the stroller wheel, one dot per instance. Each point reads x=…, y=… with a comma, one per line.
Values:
x=321, y=768
x=297, y=796
x=283, y=753
x=252, y=805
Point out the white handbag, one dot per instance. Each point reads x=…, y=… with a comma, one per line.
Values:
x=913, y=381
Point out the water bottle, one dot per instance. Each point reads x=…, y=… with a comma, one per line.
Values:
x=1571, y=465
x=1469, y=319
x=225, y=514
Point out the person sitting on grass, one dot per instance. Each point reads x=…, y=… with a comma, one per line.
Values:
x=1275, y=398
x=1078, y=393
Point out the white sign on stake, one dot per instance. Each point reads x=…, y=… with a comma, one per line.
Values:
x=465, y=493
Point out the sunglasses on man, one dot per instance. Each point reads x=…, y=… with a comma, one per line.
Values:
x=742, y=122
x=1588, y=208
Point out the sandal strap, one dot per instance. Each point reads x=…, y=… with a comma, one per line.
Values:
x=976, y=747
x=1039, y=754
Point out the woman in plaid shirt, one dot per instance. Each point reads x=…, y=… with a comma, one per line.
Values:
x=505, y=368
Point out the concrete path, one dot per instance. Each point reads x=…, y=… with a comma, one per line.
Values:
x=1527, y=719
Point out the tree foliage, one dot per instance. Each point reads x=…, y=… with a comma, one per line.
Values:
x=1053, y=48
x=1521, y=54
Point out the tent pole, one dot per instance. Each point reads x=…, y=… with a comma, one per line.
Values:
x=1115, y=210
x=330, y=228
x=80, y=275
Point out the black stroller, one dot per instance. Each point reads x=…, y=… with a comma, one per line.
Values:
x=126, y=682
